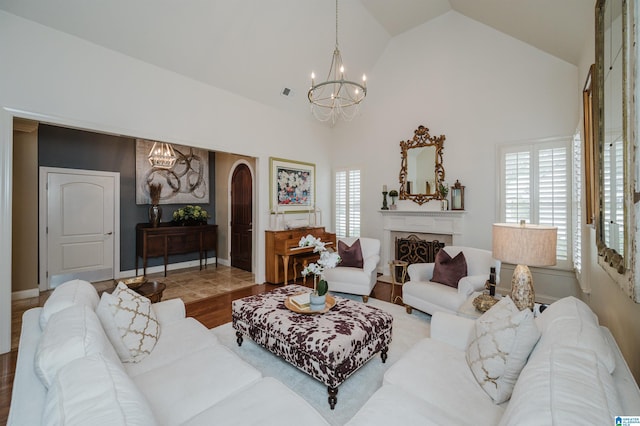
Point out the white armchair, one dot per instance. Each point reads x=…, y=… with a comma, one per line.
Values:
x=355, y=280
x=431, y=297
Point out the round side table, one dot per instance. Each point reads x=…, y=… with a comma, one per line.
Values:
x=403, y=276
x=152, y=290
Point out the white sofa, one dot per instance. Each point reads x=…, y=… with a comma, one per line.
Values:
x=189, y=378
x=565, y=381
x=431, y=297
x=355, y=280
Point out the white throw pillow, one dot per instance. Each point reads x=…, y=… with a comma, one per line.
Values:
x=72, y=333
x=74, y=292
x=498, y=348
x=130, y=323
x=94, y=391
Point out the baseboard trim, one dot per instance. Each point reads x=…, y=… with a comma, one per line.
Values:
x=25, y=294
x=171, y=267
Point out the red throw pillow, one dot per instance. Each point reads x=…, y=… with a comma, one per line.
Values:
x=351, y=256
x=448, y=271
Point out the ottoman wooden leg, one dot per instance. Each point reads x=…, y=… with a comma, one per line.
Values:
x=365, y=299
x=383, y=355
x=408, y=308
x=333, y=396
x=239, y=338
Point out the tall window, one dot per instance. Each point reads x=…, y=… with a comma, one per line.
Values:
x=348, y=203
x=577, y=207
x=536, y=187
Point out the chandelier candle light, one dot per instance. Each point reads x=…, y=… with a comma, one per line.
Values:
x=337, y=97
x=522, y=245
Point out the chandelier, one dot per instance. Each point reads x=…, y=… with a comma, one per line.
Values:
x=337, y=97
x=162, y=155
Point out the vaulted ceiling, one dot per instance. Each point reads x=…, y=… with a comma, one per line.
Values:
x=255, y=48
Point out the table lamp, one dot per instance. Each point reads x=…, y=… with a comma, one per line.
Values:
x=524, y=245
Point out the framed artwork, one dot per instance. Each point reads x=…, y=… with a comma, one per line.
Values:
x=292, y=185
x=186, y=183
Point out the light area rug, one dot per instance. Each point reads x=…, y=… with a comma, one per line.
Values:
x=354, y=392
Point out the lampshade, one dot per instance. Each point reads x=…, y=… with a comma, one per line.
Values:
x=531, y=245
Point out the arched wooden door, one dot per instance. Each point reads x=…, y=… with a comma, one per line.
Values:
x=241, y=214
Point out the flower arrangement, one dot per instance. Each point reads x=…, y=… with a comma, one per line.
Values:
x=328, y=259
x=190, y=215
x=154, y=193
x=444, y=190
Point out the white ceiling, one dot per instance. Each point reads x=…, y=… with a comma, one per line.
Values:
x=255, y=48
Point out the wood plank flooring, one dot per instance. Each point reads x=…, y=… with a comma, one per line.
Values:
x=211, y=311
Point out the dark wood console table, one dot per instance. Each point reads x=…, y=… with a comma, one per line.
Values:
x=168, y=239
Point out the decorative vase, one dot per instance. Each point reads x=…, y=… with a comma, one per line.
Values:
x=445, y=205
x=317, y=302
x=155, y=213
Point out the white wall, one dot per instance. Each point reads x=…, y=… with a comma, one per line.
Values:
x=471, y=83
x=58, y=78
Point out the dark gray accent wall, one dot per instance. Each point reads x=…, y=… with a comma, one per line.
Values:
x=79, y=149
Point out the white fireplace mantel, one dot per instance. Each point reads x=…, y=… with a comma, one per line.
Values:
x=447, y=222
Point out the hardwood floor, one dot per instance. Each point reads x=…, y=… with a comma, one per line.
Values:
x=211, y=311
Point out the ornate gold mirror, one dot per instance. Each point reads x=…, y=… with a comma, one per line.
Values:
x=614, y=122
x=421, y=170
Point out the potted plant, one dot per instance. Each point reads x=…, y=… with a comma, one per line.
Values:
x=328, y=259
x=190, y=215
x=393, y=194
x=444, y=190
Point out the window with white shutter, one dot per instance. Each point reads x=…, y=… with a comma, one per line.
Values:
x=347, y=202
x=535, y=186
x=577, y=205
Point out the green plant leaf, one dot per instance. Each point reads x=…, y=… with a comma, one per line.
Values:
x=322, y=287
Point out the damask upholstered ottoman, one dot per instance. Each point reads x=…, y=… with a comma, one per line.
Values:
x=329, y=346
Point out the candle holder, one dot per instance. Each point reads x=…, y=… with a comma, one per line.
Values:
x=384, y=201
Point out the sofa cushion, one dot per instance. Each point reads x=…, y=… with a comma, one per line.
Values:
x=94, y=391
x=178, y=339
x=569, y=321
x=448, y=271
x=351, y=255
x=567, y=384
x=130, y=323
x=264, y=403
x=72, y=333
x=74, y=292
x=499, y=345
x=437, y=373
x=188, y=386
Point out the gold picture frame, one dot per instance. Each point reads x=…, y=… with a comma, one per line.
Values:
x=292, y=186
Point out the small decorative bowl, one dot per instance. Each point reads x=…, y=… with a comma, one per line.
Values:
x=135, y=282
x=484, y=302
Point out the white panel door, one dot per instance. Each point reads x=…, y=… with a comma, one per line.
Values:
x=80, y=225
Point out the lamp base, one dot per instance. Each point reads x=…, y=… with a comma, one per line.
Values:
x=522, y=292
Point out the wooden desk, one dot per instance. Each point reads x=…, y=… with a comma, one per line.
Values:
x=169, y=239
x=282, y=246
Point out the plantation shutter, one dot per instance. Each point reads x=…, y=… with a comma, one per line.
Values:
x=341, y=203
x=517, y=196
x=347, y=210
x=354, y=203
x=536, y=188
x=553, y=197
x=577, y=205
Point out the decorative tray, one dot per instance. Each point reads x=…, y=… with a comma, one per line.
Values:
x=135, y=282
x=330, y=303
